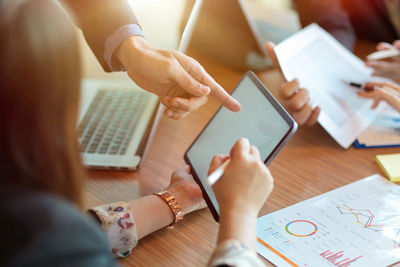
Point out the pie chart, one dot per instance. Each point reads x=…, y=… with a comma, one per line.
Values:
x=301, y=228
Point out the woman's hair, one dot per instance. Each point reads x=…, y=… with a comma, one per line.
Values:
x=39, y=95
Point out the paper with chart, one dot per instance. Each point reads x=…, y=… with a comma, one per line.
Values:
x=322, y=64
x=354, y=225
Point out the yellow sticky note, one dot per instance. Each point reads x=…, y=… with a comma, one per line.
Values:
x=390, y=164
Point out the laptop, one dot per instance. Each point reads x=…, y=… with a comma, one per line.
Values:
x=118, y=119
x=227, y=31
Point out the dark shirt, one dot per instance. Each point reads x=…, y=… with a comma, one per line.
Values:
x=38, y=229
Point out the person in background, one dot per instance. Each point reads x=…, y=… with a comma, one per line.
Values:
x=299, y=104
x=376, y=21
x=347, y=21
x=41, y=174
x=116, y=38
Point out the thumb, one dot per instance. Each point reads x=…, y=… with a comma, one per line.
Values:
x=189, y=84
x=270, y=47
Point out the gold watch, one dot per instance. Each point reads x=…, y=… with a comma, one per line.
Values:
x=173, y=205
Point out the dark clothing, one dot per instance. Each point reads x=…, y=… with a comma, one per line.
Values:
x=370, y=20
x=348, y=20
x=38, y=229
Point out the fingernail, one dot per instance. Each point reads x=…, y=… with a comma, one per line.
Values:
x=369, y=87
x=205, y=89
x=169, y=113
x=166, y=100
x=175, y=104
x=312, y=103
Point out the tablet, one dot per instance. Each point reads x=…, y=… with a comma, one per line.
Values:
x=262, y=120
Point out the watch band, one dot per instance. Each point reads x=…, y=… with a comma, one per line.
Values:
x=173, y=205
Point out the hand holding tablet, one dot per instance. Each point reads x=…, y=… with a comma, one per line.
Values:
x=262, y=120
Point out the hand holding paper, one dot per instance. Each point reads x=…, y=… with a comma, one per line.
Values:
x=321, y=64
x=296, y=100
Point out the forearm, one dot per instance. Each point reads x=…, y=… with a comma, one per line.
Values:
x=239, y=226
x=152, y=213
x=98, y=19
x=236, y=241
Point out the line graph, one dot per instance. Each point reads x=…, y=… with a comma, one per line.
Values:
x=367, y=219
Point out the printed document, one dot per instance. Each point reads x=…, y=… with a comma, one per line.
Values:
x=354, y=225
x=322, y=65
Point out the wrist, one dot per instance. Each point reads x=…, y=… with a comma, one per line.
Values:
x=238, y=208
x=131, y=46
x=238, y=225
x=173, y=205
x=182, y=196
x=234, y=212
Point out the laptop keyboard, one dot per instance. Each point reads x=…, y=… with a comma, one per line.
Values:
x=109, y=123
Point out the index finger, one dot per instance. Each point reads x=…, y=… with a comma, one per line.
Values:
x=240, y=149
x=390, y=96
x=217, y=161
x=198, y=72
x=224, y=98
x=371, y=85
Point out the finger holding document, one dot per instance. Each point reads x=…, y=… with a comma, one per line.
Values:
x=296, y=99
x=388, y=92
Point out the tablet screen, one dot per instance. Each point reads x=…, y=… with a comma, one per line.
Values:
x=259, y=121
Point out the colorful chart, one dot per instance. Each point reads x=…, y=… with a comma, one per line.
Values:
x=369, y=221
x=301, y=228
x=355, y=225
x=338, y=259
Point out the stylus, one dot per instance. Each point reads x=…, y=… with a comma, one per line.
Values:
x=215, y=175
x=378, y=55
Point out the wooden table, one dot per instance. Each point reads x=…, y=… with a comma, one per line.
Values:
x=311, y=163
